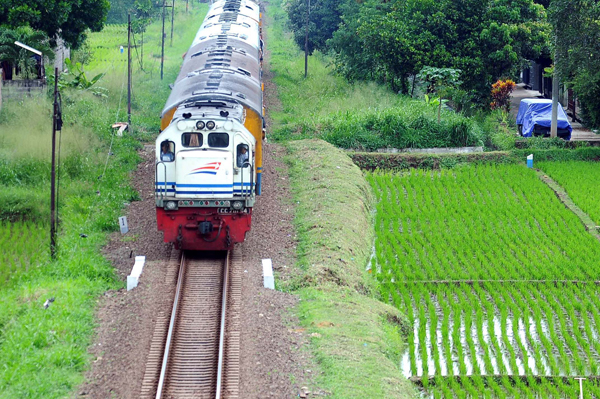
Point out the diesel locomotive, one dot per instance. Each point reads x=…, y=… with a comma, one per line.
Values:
x=209, y=152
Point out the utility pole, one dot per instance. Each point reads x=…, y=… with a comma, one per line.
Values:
x=142, y=45
x=162, y=51
x=172, y=19
x=129, y=70
x=306, y=40
x=555, y=84
x=56, y=125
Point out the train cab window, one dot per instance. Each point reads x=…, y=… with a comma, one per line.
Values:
x=243, y=155
x=167, y=151
x=218, y=140
x=191, y=139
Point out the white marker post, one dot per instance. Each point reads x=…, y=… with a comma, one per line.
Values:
x=123, y=224
x=134, y=278
x=269, y=280
x=580, y=386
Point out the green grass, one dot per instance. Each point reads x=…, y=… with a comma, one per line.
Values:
x=481, y=260
x=350, y=115
x=356, y=339
x=581, y=180
x=43, y=352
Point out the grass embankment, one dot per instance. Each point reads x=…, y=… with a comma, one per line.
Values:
x=356, y=338
x=43, y=352
x=359, y=115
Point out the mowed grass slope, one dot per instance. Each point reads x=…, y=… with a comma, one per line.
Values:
x=497, y=278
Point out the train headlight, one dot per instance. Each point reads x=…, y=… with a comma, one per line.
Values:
x=171, y=205
x=200, y=125
x=210, y=125
x=237, y=205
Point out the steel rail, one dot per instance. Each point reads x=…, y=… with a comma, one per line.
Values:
x=163, y=370
x=222, y=329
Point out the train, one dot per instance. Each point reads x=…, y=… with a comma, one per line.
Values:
x=208, y=169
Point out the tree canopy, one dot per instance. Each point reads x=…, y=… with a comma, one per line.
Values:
x=68, y=19
x=325, y=16
x=485, y=39
x=576, y=25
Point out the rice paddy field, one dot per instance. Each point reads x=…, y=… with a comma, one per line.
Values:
x=23, y=246
x=581, y=180
x=497, y=277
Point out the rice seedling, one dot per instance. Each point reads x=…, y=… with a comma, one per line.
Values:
x=496, y=275
x=580, y=180
x=22, y=247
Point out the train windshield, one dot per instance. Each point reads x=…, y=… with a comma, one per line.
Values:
x=218, y=140
x=191, y=139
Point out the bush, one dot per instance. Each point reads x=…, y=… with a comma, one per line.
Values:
x=411, y=125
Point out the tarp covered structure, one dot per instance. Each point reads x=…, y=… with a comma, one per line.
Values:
x=536, y=111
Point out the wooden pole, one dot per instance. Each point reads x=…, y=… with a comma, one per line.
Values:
x=306, y=40
x=162, y=51
x=172, y=20
x=129, y=70
x=555, y=84
x=53, y=171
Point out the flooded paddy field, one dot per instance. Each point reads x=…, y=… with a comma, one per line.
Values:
x=498, y=279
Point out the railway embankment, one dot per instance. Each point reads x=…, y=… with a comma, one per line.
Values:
x=356, y=338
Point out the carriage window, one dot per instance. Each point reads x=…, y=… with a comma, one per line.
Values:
x=243, y=155
x=191, y=139
x=218, y=140
x=167, y=151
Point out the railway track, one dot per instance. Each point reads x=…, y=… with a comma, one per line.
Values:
x=199, y=355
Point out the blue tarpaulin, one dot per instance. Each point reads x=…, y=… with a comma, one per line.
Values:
x=535, y=111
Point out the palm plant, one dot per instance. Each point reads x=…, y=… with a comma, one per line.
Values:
x=20, y=58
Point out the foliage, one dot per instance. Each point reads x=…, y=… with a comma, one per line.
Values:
x=484, y=39
x=577, y=47
x=69, y=20
x=142, y=11
x=23, y=59
x=501, y=94
x=412, y=125
x=481, y=259
x=439, y=81
x=76, y=78
x=325, y=16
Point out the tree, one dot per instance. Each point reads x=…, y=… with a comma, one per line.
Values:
x=325, y=16
x=439, y=81
x=486, y=39
x=576, y=26
x=68, y=19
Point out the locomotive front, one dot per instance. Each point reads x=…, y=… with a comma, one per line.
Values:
x=209, y=154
